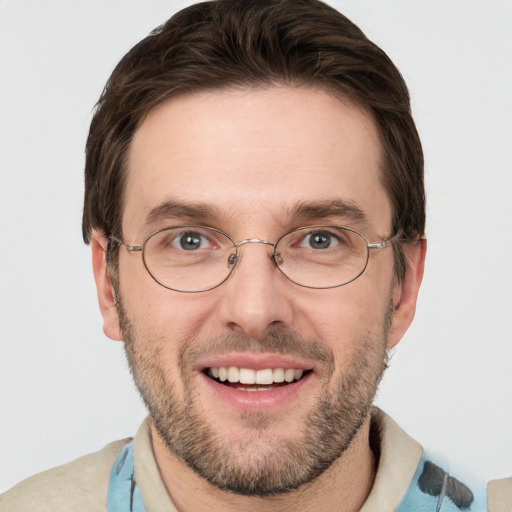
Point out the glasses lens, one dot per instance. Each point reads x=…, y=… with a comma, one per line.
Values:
x=322, y=256
x=188, y=258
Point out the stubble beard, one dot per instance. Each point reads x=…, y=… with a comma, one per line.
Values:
x=260, y=465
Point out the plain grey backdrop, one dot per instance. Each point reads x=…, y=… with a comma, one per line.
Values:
x=65, y=389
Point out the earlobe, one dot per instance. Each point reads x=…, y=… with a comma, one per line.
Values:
x=104, y=289
x=405, y=293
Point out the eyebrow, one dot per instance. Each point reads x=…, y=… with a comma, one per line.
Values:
x=311, y=210
x=302, y=211
x=177, y=209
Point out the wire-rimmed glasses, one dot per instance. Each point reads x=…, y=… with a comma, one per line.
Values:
x=194, y=259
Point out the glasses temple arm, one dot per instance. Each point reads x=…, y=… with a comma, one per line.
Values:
x=129, y=248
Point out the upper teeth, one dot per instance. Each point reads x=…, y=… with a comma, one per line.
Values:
x=248, y=376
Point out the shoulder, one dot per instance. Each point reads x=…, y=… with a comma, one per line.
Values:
x=81, y=485
x=500, y=495
x=410, y=478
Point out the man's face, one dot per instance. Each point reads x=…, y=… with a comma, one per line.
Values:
x=256, y=163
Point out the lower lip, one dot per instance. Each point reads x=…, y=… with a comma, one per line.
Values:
x=256, y=400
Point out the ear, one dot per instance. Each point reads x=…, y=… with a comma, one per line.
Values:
x=106, y=295
x=406, y=292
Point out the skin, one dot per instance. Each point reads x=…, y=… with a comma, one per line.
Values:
x=253, y=155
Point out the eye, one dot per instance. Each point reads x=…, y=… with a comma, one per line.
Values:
x=320, y=240
x=190, y=241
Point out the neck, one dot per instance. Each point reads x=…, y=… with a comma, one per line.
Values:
x=348, y=481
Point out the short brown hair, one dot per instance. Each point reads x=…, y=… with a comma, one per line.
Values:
x=240, y=43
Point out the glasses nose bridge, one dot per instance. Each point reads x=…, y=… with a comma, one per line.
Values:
x=237, y=255
x=253, y=241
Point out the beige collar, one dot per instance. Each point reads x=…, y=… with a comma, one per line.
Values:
x=399, y=457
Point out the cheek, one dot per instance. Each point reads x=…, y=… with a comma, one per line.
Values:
x=345, y=317
x=345, y=310
x=157, y=314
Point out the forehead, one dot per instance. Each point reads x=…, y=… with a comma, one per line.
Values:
x=252, y=155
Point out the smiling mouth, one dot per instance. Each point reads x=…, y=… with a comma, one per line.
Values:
x=246, y=379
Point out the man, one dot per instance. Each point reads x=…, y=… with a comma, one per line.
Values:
x=255, y=207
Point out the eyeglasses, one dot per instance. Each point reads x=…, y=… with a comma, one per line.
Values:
x=198, y=258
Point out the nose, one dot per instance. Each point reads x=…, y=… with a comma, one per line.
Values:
x=257, y=296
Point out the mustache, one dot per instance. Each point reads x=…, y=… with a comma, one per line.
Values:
x=283, y=342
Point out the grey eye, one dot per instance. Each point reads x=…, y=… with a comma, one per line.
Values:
x=189, y=241
x=320, y=240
